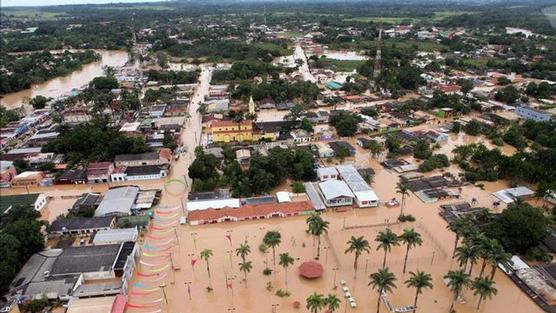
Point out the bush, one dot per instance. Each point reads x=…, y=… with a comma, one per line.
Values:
x=263, y=248
x=267, y=271
x=406, y=218
x=298, y=187
x=282, y=293
x=538, y=253
x=434, y=162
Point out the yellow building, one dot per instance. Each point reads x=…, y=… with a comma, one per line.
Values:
x=228, y=131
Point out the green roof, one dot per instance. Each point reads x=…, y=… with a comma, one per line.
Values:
x=18, y=201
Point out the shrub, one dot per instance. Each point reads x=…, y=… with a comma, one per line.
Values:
x=282, y=293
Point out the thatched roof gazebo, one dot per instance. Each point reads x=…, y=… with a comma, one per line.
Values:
x=311, y=270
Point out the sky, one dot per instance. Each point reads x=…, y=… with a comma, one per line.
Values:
x=32, y=3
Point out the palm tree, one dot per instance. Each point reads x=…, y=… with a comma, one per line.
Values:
x=457, y=281
x=487, y=247
x=484, y=288
x=315, y=302
x=499, y=256
x=285, y=261
x=243, y=250
x=205, y=255
x=460, y=227
x=419, y=281
x=245, y=267
x=317, y=227
x=468, y=253
x=382, y=281
x=357, y=245
x=411, y=239
x=387, y=240
x=272, y=239
x=332, y=302
x=402, y=189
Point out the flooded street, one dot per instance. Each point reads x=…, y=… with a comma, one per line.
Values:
x=57, y=87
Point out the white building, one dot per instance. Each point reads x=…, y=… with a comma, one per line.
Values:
x=336, y=193
x=364, y=195
x=327, y=173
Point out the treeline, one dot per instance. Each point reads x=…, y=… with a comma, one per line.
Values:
x=96, y=141
x=225, y=50
x=244, y=70
x=20, y=238
x=173, y=77
x=277, y=90
x=263, y=174
x=20, y=71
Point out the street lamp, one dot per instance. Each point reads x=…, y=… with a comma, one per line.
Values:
x=335, y=271
x=275, y=307
x=188, y=283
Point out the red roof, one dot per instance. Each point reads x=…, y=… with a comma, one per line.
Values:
x=311, y=269
x=250, y=210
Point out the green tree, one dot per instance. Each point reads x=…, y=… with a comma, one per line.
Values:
x=386, y=239
x=468, y=253
x=382, y=281
x=272, y=239
x=420, y=281
x=460, y=227
x=206, y=254
x=317, y=227
x=402, y=189
x=410, y=238
x=285, y=261
x=315, y=302
x=422, y=150
x=466, y=85
x=243, y=250
x=484, y=288
x=457, y=281
x=245, y=267
x=39, y=102
x=169, y=141
x=357, y=245
x=333, y=302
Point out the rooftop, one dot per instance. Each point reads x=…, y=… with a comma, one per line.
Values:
x=81, y=223
x=332, y=189
x=28, y=200
x=249, y=210
x=86, y=259
x=115, y=235
x=118, y=201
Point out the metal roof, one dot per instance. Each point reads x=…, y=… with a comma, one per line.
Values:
x=352, y=178
x=115, y=235
x=332, y=189
x=117, y=201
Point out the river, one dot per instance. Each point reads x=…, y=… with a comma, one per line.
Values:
x=59, y=86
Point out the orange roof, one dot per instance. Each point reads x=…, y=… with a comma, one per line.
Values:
x=165, y=153
x=250, y=210
x=227, y=123
x=311, y=269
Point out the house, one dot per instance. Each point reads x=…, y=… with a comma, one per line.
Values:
x=146, y=172
x=112, y=236
x=364, y=143
x=99, y=172
x=336, y=193
x=21, y=153
x=436, y=137
x=509, y=195
x=337, y=145
x=243, y=156
x=529, y=113
x=27, y=179
x=228, y=131
x=36, y=201
x=326, y=173
x=156, y=111
x=300, y=135
x=248, y=212
x=364, y=195
x=81, y=225
x=72, y=176
x=7, y=171
x=141, y=159
x=269, y=130
x=87, y=202
x=118, y=201
x=212, y=203
x=324, y=150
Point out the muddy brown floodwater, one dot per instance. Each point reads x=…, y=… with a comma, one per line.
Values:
x=434, y=257
x=57, y=87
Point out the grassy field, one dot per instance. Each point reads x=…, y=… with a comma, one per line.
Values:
x=438, y=15
x=428, y=46
x=345, y=65
x=31, y=13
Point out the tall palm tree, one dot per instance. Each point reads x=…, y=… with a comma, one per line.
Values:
x=382, y=281
x=285, y=261
x=468, y=253
x=411, y=239
x=484, y=288
x=460, y=227
x=272, y=239
x=387, y=239
x=315, y=302
x=205, y=255
x=243, y=250
x=487, y=247
x=332, y=302
x=357, y=245
x=317, y=227
x=402, y=189
x=419, y=280
x=245, y=267
x=499, y=256
x=457, y=281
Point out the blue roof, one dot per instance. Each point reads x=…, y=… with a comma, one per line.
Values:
x=332, y=84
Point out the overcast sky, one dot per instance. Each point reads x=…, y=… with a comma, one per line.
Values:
x=32, y=3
